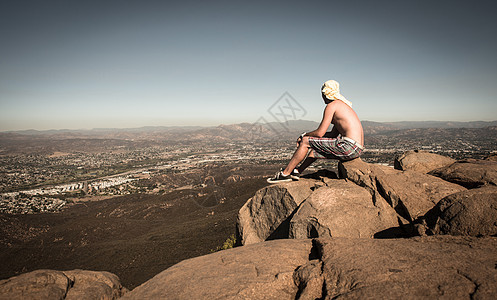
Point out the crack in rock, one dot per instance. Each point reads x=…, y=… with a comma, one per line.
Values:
x=70, y=284
x=476, y=284
x=309, y=278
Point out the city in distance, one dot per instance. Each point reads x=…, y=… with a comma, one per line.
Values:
x=56, y=166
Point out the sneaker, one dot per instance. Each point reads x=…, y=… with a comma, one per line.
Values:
x=279, y=177
x=295, y=175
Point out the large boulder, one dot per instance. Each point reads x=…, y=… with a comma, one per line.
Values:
x=472, y=212
x=342, y=209
x=94, y=285
x=258, y=271
x=410, y=193
x=421, y=161
x=335, y=268
x=470, y=173
x=419, y=268
x=266, y=214
x=51, y=284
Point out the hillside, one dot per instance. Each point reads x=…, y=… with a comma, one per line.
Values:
x=134, y=236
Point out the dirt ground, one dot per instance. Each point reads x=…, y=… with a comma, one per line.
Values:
x=134, y=236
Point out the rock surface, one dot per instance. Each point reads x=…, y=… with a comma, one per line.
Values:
x=342, y=209
x=368, y=201
x=411, y=194
x=472, y=212
x=50, y=284
x=470, y=173
x=266, y=214
x=421, y=161
x=336, y=268
x=258, y=271
x=418, y=268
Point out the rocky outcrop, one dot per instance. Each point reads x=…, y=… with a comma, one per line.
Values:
x=259, y=271
x=418, y=268
x=411, y=194
x=470, y=173
x=472, y=212
x=368, y=201
x=342, y=209
x=336, y=268
x=232, y=179
x=421, y=161
x=50, y=284
x=266, y=214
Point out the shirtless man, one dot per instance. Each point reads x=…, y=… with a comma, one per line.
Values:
x=343, y=142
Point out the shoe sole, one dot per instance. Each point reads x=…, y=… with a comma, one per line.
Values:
x=278, y=181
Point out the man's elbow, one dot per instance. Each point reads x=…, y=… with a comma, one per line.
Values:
x=320, y=133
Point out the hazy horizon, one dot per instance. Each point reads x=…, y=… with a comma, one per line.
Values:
x=127, y=64
x=228, y=124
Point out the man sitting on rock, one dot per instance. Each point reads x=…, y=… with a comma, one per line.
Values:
x=343, y=142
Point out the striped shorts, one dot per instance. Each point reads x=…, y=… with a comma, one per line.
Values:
x=335, y=148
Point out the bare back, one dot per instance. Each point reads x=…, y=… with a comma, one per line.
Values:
x=344, y=120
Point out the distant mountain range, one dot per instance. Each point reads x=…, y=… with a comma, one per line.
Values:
x=425, y=124
x=241, y=131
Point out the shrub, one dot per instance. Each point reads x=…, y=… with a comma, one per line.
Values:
x=228, y=244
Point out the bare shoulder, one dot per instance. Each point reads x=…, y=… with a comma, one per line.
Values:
x=339, y=107
x=332, y=106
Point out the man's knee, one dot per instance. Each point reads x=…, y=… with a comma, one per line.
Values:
x=305, y=141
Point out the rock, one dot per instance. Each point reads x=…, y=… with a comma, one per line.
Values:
x=335, y=268
x=421, y=161
x=378, y=201
x=361, y=173
x=259, y=271
x=470, y=173
x=39, y=284
x=51, y=284
x=232, y=179
x=266, y=214
x=309, y=280
x=94, y=285
x=209, y=181
x=418, y=268
x=342, y=209
x=472, y=212
x=411, y=194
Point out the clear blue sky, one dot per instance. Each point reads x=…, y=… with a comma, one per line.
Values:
x=86, y=64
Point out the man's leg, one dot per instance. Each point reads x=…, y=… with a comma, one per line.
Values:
x=298, y=156
x=307, y=162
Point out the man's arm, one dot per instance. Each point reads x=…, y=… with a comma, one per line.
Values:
x=329, y=111
x=333, y=133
